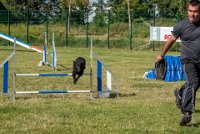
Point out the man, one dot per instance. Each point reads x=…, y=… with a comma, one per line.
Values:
x=189, y=32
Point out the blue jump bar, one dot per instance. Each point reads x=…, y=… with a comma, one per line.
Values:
x=52, y=91
x=54, y=75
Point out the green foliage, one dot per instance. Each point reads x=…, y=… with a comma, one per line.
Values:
x=2, y=7
x=54, y=10
x=34, y=9
x=100, y=19
x=81, y=4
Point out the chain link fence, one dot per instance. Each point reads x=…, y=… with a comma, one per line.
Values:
x=109, y=29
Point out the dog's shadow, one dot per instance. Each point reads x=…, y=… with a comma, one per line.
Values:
x=63, y=68
x=126, y=94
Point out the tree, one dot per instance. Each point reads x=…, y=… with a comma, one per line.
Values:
x=2, y=7
x=37, y=8
x=129, y=14
x=99, y=13
x=78, y=6
x=171, y=7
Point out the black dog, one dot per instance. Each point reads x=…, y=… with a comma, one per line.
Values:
x=78, y=68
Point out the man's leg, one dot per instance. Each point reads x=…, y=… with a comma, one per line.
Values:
x=178, y=95
x=189, y=93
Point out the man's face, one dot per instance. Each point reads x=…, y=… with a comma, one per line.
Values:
x=193, y=13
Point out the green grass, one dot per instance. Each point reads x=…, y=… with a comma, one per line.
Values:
x=144, y=106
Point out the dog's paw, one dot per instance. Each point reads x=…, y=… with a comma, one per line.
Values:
x=75, y=81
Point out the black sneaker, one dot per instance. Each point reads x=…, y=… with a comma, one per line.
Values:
x=185, y=119
x=178, y=98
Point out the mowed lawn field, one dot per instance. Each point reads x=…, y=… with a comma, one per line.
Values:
x=143, y=106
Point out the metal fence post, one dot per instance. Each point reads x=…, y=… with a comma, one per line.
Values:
x=66, y=28
x=131, y=32
x=46, y=19
x=108, y=29
x=86, y=28
x=154, y=21
x=9, y=24
x=27, y=26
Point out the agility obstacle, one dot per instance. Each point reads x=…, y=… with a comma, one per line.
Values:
x=54, y=57
x=44, y=75
x=58, y=91
x=54, y=91
x=102, y=92
x=112, y=83
x=5, y=66
x=18, y=42
x=47, y=74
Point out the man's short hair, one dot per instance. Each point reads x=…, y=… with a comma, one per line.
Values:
x=194, y=3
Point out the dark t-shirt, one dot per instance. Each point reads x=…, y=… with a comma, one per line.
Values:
x=190, y=37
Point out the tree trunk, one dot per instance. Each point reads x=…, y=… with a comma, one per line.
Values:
x=129, y=15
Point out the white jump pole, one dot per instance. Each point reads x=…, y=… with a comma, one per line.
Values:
x=91, y=73
x=45, y=54
x=48, y=75
x=45, y=49
x=14, y=62
x=54, y=57
x=53, y=91
x=44, y=75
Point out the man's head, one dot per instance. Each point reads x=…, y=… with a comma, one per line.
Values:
x=194, y=11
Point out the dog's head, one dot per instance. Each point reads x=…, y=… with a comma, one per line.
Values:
x=79, y=64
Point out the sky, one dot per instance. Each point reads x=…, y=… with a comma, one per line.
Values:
x=96, y=0
x=93, y=0
x=92, y=15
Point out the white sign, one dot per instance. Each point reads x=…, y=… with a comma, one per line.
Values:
x=161, y=33
x=109, y=77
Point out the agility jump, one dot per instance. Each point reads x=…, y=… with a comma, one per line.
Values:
x=53, y=54
x=99, y=77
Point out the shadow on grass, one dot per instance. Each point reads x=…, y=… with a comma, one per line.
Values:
x=62, y=68
x=194, y=125
x=197, y=111
x=116, y=95
x=27, y=50
x=126, y=95
x=112, y=95
x=40, y=96
x=7, y=49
